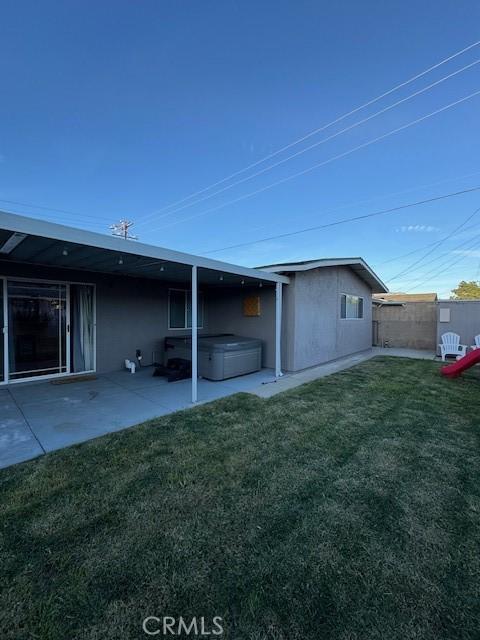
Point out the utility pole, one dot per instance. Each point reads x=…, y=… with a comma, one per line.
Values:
x=122, y=229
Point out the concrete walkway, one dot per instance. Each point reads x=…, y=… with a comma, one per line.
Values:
x=417, y=354
x=39, y=417
x=292, y=380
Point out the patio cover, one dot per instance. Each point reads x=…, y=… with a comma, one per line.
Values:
x=25, y=240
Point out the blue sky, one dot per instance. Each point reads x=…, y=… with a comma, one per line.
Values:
x=118, y=109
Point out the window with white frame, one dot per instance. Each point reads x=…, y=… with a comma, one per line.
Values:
x=180, y=309
x=351, y=307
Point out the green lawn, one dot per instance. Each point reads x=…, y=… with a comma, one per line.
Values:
x=348, y=508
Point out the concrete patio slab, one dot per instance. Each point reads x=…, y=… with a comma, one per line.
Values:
x=251, y=381
x=39, y=417
x=17, y=442
x=87, y=390
x=177, y=395
x=142, y=378
x=60, y=427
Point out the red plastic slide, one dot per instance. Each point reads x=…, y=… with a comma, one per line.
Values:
x=455, y=369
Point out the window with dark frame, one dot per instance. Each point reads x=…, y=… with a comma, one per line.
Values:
x=351, y=307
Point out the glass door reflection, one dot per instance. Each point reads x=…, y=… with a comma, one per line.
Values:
x=37, y=331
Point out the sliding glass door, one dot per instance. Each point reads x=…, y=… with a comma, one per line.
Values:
x=37, y=329
x=48, y=329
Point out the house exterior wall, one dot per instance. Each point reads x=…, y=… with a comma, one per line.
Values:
x=225, y=309
x=411, y=325
x=131, y=313
x=312, y=330
x=317, y=332
x=464, y=320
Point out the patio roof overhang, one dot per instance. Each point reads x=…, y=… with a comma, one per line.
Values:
x=31, y=241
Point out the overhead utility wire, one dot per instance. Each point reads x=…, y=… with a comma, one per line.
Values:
x=411, y=253
x=452, y=264
x=347, y=220
x=318, y=143
x=43, y=207
x=442, y=255
x=430, y=251
x=320, y=129
x=321, y=164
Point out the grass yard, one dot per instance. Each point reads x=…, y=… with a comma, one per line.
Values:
x=348, y=508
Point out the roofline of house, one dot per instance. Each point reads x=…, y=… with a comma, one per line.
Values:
x=307, y=265
x=31, y=226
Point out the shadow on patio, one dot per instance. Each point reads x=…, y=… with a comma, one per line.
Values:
x=41, y=417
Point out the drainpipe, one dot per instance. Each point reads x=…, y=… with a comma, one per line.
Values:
x=278, y=330
x=194, y=334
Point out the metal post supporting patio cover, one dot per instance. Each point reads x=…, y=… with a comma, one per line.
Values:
x=194, y=333
x=278, y=330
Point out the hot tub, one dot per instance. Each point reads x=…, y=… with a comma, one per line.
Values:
x=220, y=356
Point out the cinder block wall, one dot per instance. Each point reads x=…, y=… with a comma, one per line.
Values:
x=464, y=319
x=412, y=325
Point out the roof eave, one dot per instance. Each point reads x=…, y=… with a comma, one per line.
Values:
x=376, y=284
x=32, y=226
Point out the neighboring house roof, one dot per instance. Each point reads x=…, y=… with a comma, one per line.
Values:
x=405, y=297
x=24, y=239
x=358, y=265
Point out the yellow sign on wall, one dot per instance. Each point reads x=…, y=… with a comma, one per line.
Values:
x=251, y=306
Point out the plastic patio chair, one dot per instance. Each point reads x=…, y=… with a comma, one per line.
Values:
x=477, y=342
x=450, y=345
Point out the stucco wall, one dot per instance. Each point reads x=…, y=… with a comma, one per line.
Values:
x=411, y=325
x=226, y=316
x=464, y=319
x=132, y=313
x=319, y=334
x=312, y=330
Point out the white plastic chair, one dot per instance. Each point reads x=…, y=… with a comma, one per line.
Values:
x=450, y=345
x=477, y=342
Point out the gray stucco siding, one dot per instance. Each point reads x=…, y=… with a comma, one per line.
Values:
x=319, y=334
x=225, y=308
x=131, y=313
x=464, y=319
x=353, y=335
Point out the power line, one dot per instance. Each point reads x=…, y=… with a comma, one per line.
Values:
x=325, y=162
x=475, y=240
x=315, y=144
x=347, y=220
x=44, y=208
x=452, y=264
x=440, y=242
x=322, y=128
x=442, y=255
x=411, y=253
